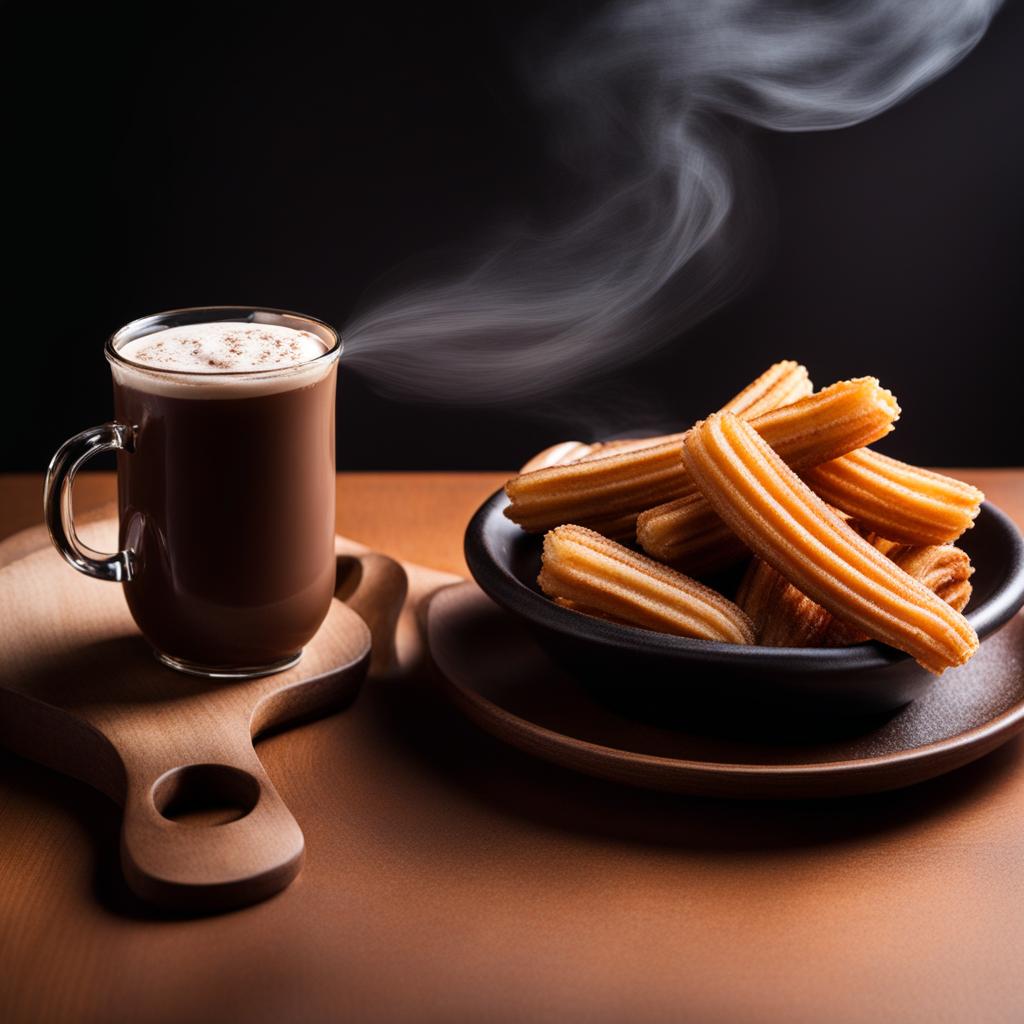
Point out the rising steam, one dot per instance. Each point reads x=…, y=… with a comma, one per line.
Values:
x=636, y=102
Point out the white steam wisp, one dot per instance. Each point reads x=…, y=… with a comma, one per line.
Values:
x=636, y=101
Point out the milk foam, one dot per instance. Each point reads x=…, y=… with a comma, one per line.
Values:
x=220, y=355
x=224, y=348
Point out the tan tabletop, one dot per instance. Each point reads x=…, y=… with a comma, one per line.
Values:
x=448, y=878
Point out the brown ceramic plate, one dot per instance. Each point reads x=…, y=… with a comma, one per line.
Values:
x=494, y=671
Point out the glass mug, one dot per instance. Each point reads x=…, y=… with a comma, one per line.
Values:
x=225, y=486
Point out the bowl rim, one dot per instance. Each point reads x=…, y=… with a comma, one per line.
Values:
x=495, y=578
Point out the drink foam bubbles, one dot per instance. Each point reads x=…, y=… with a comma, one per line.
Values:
x=221, y=359
x=223, y=348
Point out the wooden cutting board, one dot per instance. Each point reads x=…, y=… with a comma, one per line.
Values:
x=80, y=692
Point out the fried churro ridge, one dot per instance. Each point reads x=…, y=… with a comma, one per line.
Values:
x=785, y=617
x=782, y=383
x=619, y=487
x=560, y=454
x=684, y=532
x=586, y=571
x=782, y=615
x=788, y=526
x=898, y=501
x=689, y=535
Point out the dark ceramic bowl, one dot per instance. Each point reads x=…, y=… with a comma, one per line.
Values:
x=649, y=673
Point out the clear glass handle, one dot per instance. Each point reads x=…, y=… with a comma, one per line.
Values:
x=60, y=477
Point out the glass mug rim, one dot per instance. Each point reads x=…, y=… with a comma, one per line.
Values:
x=154, y=322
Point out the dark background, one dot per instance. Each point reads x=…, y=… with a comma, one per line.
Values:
x=225, y=155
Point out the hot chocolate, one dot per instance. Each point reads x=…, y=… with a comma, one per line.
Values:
x=227, y=498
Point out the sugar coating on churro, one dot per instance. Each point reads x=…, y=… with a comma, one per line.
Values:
x=597, y=492
x=897, y=500
x=823, y=426
x=879, y=564
x=688, y=534
x=557, y=455
x=784, y=617
x=594, y=573
x=942, y=568
x=781, y=384
x=778, y=516
x=602, y=449
x=617, y=488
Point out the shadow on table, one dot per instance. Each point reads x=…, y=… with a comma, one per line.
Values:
x=98, y=817
x=411, y=721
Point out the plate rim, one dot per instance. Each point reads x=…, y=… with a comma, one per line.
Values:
x=1000, y=728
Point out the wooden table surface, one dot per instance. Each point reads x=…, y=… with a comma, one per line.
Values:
x=448, y=878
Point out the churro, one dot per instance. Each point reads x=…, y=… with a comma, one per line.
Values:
x=602, y=449
x=807, y=432
x=782, y=383
x=599, y=576
x=784, y=617
x=689, y=535
x=557, y=455
x=942, y=568
x=788, y=526
x=617, y=488
x=896, y=500
x=684, y=532
x=598, y=494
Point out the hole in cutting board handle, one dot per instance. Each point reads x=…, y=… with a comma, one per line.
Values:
x=205, y=794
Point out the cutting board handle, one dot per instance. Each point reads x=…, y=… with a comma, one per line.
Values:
x=207, y=865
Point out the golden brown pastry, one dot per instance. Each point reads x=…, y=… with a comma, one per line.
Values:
x=602, y=449
x=685, y=532
x=807, y=432
x=942, y=568
x=560, y=454
x=689, y=535
x=788, y=526
x=607, y=494
x=896, y=500
x=582, y=569
x=784, y=617
x=782, y=383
